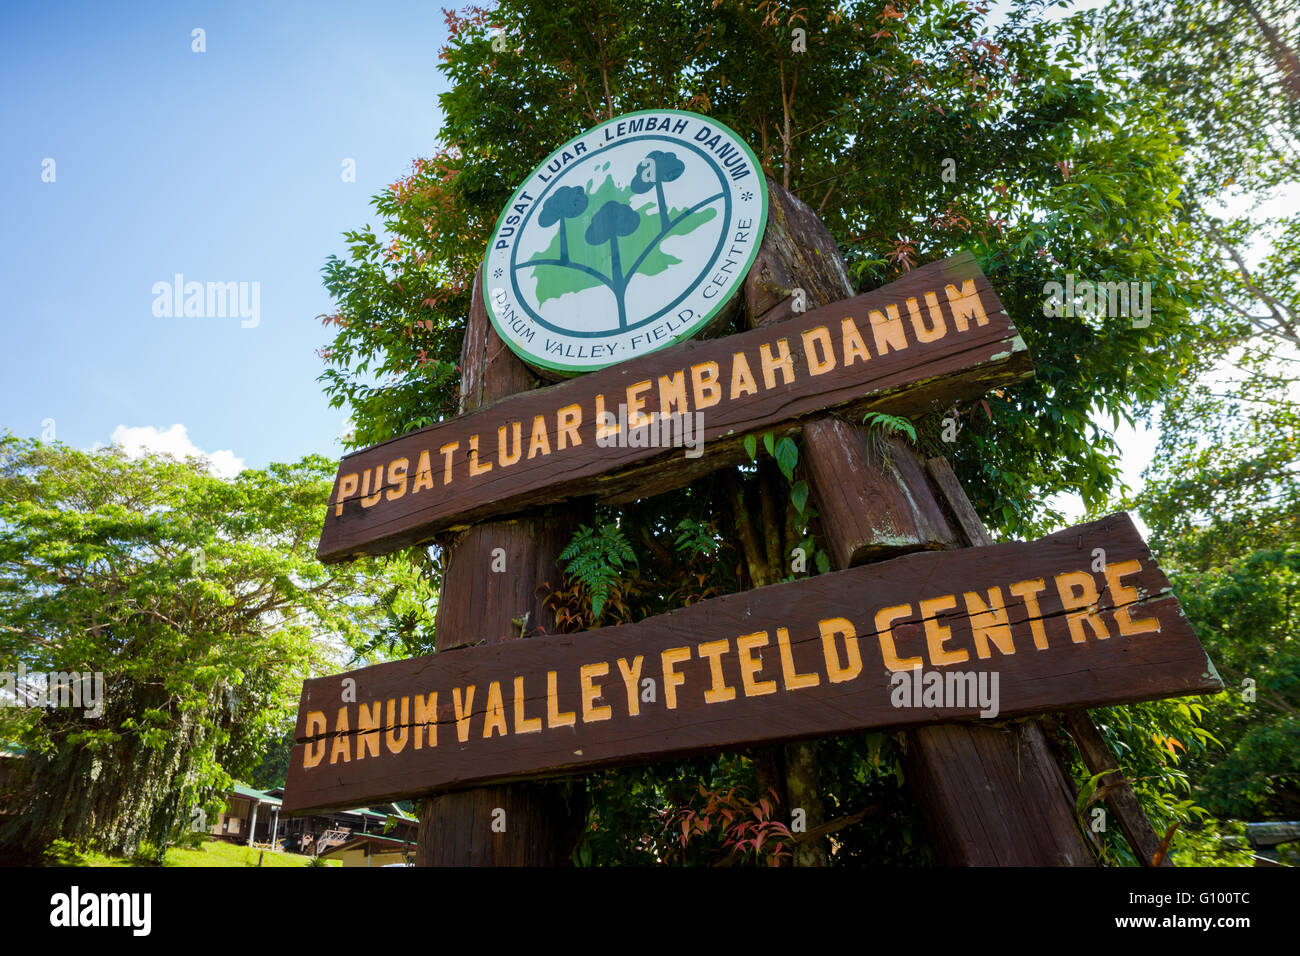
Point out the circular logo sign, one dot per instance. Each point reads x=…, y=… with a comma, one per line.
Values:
x=628, y=238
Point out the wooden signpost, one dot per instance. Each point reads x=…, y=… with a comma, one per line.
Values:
x=936, y=336
x=994, y=632
x=934, y=640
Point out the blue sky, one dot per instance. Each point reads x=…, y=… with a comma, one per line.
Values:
x=224, y=166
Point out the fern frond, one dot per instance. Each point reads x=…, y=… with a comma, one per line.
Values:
x=596, y=558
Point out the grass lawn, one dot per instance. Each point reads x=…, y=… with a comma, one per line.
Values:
x=209, y=853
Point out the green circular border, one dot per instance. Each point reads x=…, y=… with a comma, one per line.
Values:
x=569, y=372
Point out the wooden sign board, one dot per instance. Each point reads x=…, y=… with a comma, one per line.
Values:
x=937, y=335
x=1015, y=628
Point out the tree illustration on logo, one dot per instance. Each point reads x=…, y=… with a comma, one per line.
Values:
x=652, y=172
x=615, y=228
x=613, y=221
x=567, y=202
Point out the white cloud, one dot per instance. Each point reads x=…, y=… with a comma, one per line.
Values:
x=174, y=441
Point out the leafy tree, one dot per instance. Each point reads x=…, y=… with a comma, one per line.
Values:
x=200, y=602
x=1226, y=461
x=1222, y=496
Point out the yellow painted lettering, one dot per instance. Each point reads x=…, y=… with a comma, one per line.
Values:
x=631, y=676
x=504, y=458
x=781, y=362
x=423, y=474
x=742, y=379
x=1078, y=592
x=370, y=500
x=554, y=717
x=494, y=718
x=938, y=327
x=670, y=658
x=819, y=351
x=1125, y=596
x=397, y=472
x=636, y=402
x=464, y=710
x=792, y=679
x=936, y=634
x=567, y=420
x=885, y=619
x=347, y=488
x=446, y=451
x=704, y=385
x=591, y=693
x=541, y=442
x=314, y=752
x=1028, y=592
x=475, y=468
x=342, y=739
x=718, y=690
x=888, y=332
x=852, y=346
x=367, y=730
x=398, y=731
x=852, y=665
x=523, y=723
x=965, y=304
x=672, y=394
x=989, y=623
x=425, y=716
x=749, y=666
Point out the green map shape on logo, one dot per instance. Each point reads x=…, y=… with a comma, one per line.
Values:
x=572, y=264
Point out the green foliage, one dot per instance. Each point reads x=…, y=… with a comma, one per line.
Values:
x=695, y=537
x=200, y=602
x=1221, y=496
x=891, y=424
x=1247, y=615
x=625, y=823
x=598, y=558
x=1224, y=480
x=272, y=769
x=784, y=451
x=881, y=428
x=1153, y=742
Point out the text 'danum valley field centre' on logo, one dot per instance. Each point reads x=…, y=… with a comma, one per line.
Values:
x=635, y=235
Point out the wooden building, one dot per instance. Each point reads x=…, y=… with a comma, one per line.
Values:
x=369, y=849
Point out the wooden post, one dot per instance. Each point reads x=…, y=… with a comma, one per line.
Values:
x=993, y=796
x=989, y=796
x=1119, y=796
x=527, y=824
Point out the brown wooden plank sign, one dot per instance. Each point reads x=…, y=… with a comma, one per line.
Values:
x=935, y=336
x=1080, y=618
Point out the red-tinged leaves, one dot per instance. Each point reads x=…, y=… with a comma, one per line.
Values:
x=738, y=826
